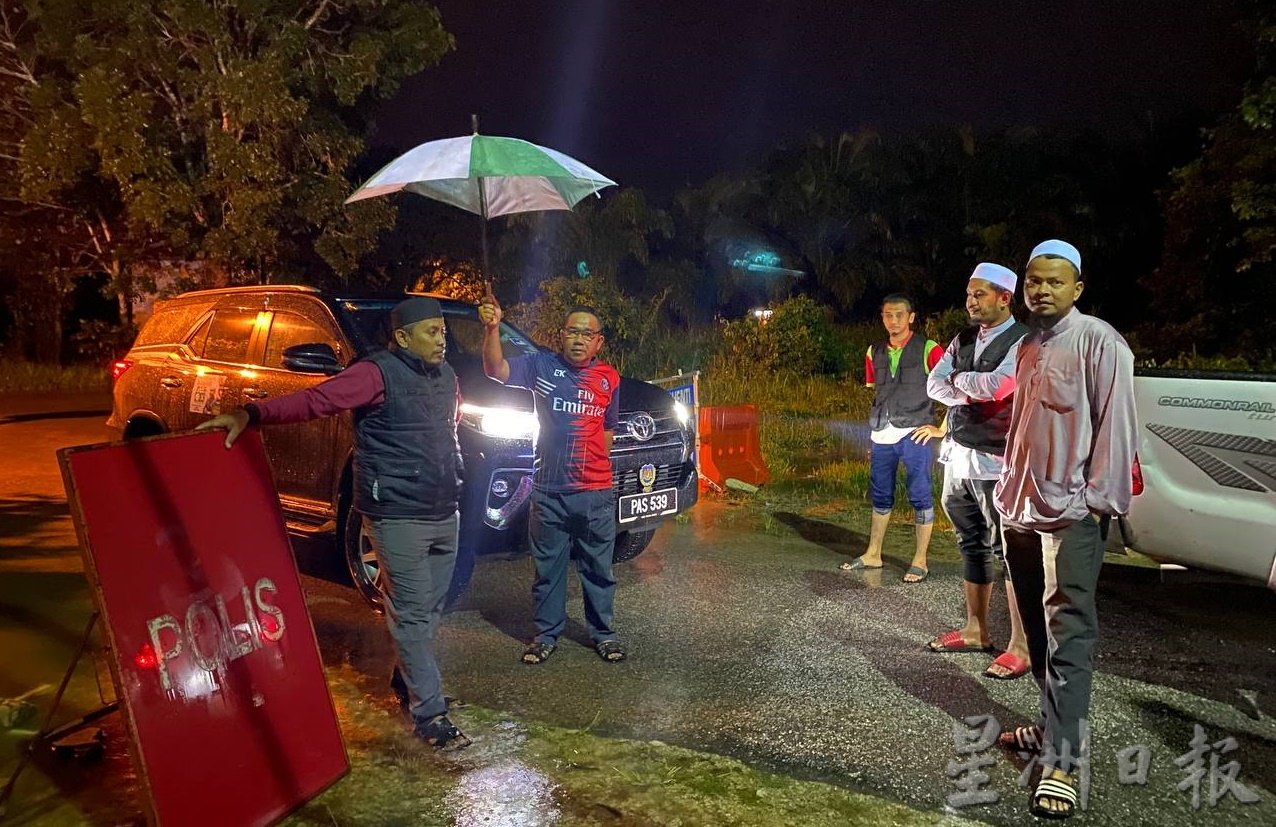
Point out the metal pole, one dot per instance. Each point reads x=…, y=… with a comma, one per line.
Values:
x=42, y=736
x=483, y=232
x=482, y=210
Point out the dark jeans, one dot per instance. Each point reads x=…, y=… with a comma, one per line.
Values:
x=416, y=559
x=969, y=505
x=1056, y=574
x=580, y=526
x=884, y=460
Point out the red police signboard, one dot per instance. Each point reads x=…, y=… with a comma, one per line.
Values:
x=213, y=652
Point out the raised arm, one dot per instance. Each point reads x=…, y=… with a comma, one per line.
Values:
x=494, y=364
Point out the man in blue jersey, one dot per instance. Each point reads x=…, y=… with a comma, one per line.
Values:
x=572, y=507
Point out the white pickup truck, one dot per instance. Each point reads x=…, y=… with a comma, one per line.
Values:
x=1207, y=452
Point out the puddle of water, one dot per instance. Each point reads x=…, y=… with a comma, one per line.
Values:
x=508, y=793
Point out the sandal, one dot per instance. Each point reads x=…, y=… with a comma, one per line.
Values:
x=916, y=572
x=1024, y=738
x=857, y=565
x=537, y=652
x=610, y=651
x=1015, y=666
x=442, y=734
x=1057, y=787
x=954, y=642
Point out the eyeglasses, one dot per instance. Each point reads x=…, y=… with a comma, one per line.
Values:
x=581, y=333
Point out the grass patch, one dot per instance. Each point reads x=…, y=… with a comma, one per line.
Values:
x=20, y=376
x=813, y=433
x=533, y=773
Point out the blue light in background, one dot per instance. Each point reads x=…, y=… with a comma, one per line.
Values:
x=763, y=261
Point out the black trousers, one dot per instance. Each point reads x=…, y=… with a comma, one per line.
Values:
x=1056, y=574
x=970, y=507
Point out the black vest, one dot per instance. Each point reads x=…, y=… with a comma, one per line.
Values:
x=407, y=460
x=901, y=400
x=983, y=425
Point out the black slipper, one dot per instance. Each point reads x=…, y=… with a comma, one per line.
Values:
x=537, y=652
x=610, y=651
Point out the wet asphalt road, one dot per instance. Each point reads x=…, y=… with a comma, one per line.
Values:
x=746, y=641
x=749, y=643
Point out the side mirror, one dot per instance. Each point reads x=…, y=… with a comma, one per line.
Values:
x=312, y=357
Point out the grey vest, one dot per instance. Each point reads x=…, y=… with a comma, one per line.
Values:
x=901, y=400
x=407, y=461
x=983, y=425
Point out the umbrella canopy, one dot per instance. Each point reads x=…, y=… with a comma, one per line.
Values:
x=487, y=175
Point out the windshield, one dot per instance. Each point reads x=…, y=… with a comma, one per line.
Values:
x=369, y=323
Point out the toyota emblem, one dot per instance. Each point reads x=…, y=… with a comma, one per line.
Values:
x=642, y=426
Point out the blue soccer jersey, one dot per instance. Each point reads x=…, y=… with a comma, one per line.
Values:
x=574, y=407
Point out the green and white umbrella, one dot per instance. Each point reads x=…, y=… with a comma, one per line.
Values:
x=487, y=175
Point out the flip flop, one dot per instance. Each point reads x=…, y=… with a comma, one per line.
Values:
x=918, y=572
x=857, y=565
x=1007, y=660
x=952, y=641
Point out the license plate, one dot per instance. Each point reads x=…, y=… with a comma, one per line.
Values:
x=636, y=506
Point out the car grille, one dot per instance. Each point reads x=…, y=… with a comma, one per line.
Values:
x=668, y=434
x=626, y=482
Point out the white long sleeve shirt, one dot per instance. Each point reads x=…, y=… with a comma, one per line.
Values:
x=972, y=386
x=1073, y=427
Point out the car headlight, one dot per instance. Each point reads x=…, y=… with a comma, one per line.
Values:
x=680, y=411
x=502, y=423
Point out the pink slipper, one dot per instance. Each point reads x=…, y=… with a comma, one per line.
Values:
x=1007, y=660
x=953, y=642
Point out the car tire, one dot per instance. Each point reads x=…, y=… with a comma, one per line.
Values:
x=365, y=570
x=141, y=427
x=629, y=544
x=361, y=560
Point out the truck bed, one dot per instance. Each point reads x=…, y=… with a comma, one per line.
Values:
x=1207, y=447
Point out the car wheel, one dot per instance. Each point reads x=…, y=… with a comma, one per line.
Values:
x=361, y=560
x=629, y=544
x=142, y=427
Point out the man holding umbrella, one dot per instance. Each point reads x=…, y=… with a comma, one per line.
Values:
x=573, y=508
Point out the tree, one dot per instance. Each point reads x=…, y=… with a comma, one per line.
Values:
x=459, y=279
x=709, y=222
x=812, y=200
x=220, y=130
x=626, y=321
x=603, y=234
x=1214, y=288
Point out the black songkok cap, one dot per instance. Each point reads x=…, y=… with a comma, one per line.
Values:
x=413, y=310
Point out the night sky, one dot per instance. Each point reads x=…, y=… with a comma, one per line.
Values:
x=663, y=94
